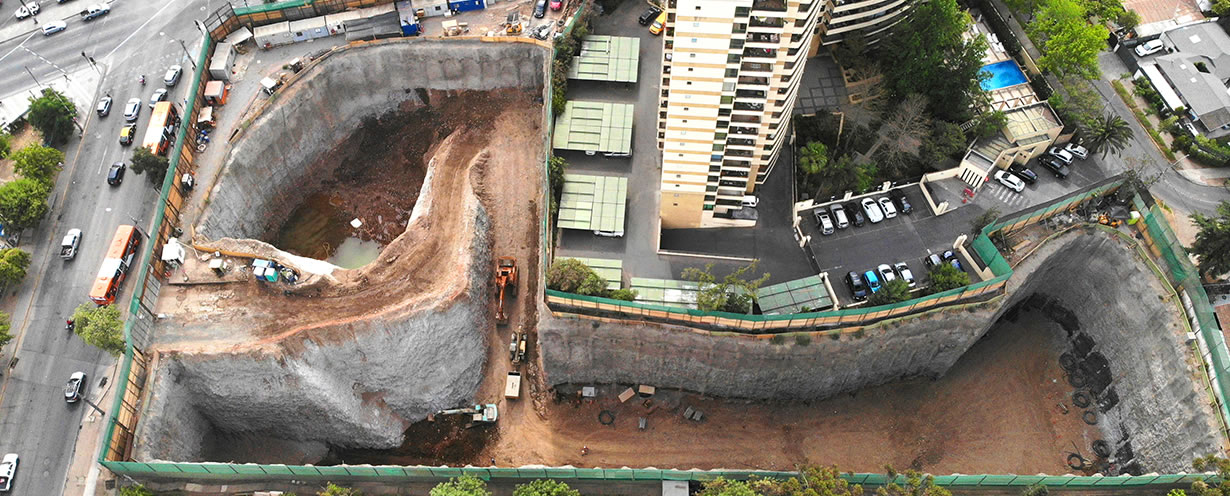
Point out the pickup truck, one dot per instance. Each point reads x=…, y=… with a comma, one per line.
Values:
x=95, y=11
x=68, y=247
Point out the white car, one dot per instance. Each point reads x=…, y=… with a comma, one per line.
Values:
x=1010, y=181
x=886, y=273
x=160, y=95
x=874, y=214
x=27, y=10
x=172, y=75
x=132, y=109
x=75, y=387
x=1077, y=150
x=903, y=270
x=886, y=203
x=8, y=468
x=1149, y=48
x=1061, y=154
x=53, y=27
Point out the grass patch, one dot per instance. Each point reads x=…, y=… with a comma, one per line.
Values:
x=1143, y=119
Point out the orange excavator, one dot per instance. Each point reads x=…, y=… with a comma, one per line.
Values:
x=505, y=282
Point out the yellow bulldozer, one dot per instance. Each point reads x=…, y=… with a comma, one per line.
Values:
x=513, y=24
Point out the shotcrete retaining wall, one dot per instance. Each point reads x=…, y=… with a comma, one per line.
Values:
x=1109, y=291
x=265, y=170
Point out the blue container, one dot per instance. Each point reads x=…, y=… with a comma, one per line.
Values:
x=466, y=5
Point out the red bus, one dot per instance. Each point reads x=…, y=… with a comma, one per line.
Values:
x=163, y=123
x=115, y=267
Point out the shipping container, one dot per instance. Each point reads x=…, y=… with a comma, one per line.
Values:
x=466, y=5
x=273, y=35
x=309, y=29
x=220, y=64
x=432, y=8
x=409, y=22
x=337, y=22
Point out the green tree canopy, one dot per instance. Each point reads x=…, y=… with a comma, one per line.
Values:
x=1109, y=134
x=1221, y=7
x=573, y=276
x=5, y=327
x=1129, y=19
x=23, y=203
x=1209, y=463
x=1069, y=42
x=813, y=157
x=927, y=55
x=52, y=114
x=983, y=220
x=13, y=265
x=144, y=161
x=1082, y=105
x=332, y=489
x=545, y=487
x=1212, y=244
x=892, y=291
x=38, y=162
x=946, y=141
x=466, y=485
x=137, y=490
x=733, y=293
x=6, y=143
x=945, y=277
x=100, y=327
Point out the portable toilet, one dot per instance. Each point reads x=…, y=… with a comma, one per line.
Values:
x=337, y=22
x=272, y=35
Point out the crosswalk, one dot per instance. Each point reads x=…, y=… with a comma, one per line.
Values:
x=1004, y=195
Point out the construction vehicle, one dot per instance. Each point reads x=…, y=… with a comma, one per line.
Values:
x=512, y=387
x=479, y=414
x=505, y=282
x=521, y=347
x=512, y=349
x=513, y=25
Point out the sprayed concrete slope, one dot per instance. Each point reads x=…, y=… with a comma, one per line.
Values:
x=355, y=356
x=1088, y=282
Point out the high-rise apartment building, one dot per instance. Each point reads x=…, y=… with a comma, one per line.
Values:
x=730, y=75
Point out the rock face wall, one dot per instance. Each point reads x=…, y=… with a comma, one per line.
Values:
x=328, y=102
x=1107, y=291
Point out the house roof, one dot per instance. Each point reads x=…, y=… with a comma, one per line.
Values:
x=1204, y=42
x=1204, y=93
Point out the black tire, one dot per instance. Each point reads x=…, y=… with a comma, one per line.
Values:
x=1075, y=461
x=1068, y=361
x=1082, y=399
x=1077, y=380
x=606, y=417
x=1090, y=417
x=1101, y=448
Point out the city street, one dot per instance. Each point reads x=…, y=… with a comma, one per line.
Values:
x=135, y=38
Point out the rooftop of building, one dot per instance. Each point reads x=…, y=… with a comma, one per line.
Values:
x=1202, y=42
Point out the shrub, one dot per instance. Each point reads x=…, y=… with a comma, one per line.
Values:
x=777, y=339
x=802, y=339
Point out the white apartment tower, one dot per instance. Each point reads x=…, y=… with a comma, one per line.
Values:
x=730, y=76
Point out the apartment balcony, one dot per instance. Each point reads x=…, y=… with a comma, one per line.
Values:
x=764, y=38
x=760, y=94
x=732, y=193
x=771, y=5
x=756, y=67
x=759, y=53
x=745, y=119
x=759, y=107
x=753, y=81
x=766, y=22
x=745, y=131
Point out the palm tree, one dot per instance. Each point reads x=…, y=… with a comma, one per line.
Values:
x=1110, y=133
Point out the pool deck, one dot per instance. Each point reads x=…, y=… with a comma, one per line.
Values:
x=997, y=52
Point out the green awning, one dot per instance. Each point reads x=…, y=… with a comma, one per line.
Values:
x=594, y=203
x=794, y=296
x=594, y=127
x=607, y=58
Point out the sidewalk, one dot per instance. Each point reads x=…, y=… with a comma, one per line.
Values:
x=48, y=11
x=85, y=477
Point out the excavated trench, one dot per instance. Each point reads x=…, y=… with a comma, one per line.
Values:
x=350, y=357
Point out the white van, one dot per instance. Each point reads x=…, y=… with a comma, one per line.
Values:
x=750, y=201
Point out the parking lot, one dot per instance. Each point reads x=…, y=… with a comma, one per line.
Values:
x=1080, y=174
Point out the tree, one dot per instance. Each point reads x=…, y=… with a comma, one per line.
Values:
x=1221, y=7
x=38, y=162
x=6, y=143
x=988, y=124
x=5, y=327
x=1212, y=244
x=891, y=292
x=983, y=220
x=145, y=161
x=916, y=484
x=466, y=485
x=945, y=277
x=332, y=489
x=1036, y=490
x=865, y=175
x=1109, y=134
x=946, y=141
x=733, y=293
x=901, y=133
x=815, y=481
x=1211, y=463
x=100, y=327
x=1070, y=44
x=542, y=487
x=1081, y=106
x=1129, y=19
x=927, y=54
x=573, y=276
x=13, y=265
x=52, y=114
x=137, y=490
x=813, y=157
x=23, y=203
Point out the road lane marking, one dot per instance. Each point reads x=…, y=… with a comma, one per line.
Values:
x=19, y=45
x=139, y=28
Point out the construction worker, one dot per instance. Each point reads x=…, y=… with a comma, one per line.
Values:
x=584, y=450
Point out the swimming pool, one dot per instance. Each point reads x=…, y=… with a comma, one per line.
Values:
x=1003, y=75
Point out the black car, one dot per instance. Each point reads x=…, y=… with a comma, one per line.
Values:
x=903, y=204
x=649, y=16
x=856, y=285
x=1023, y=172
x=115, y=176
x=1055, y=166
x=856, y=215
x=540, y=8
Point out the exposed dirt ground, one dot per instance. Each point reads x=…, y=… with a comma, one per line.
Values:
x=26, y=136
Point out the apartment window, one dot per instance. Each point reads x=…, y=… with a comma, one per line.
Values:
x=708, y=206
x=696, y=24
x=732, y=73
x=776, y=114
x=739, y=28
x=715, y=168
x=689, y=83
x=742, y=11
x=710, y=198
x=697, y=7
x=728, y=86
x=718, y=148
x=726, y=100
x=724, y=112
x=736, y=44
x=719, y=136
x=711, y=189
x=733, y=58
x=689, y=69
x=782, y=91
x=692, y=55
x=693, y=40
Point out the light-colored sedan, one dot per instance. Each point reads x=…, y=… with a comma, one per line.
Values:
x=872, y=209
x=1009, y=181
x=886, y=204
x=903, y=270
x=8, y=469
x=1077, y=150
x=886, y=273
x=53, y=27
x=27, y=10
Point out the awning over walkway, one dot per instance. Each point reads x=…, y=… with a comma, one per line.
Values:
x=594, y=127
x=1162, y=86
x=594, y=203
x=800, y=295
x=607, y=58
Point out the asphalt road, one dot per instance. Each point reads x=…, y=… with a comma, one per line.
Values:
x=35, y=422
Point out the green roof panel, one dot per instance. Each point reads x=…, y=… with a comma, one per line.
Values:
x=607, y=58
x=594, y=127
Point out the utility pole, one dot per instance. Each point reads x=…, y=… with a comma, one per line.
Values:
x=186, y=54
x=27, y=68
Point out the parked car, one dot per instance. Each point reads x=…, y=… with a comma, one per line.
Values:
x=8, y=469
x=824, y=221
x=887, y=205
x=1149, y=47
x=160, y=95
x=951, y=257
x=132, y=110
x=903, y=271
x=53, y=27
x=932, y=261
x=839, y=216
x=70, y=243
x=1024, y=173
x=658, y=23
x=856, y=215
x=1077, y=150
x=1009, y=181
x=556, y=5
x=75, y=387
x=886, y=273
x=902, y=202
x=104, y=106
x=750, y=201
x=1061, y=154
x=873, y=282
x=171, y=78
x=1055, y=166
x=115, y=176
x=872, y=209
x=540, y=8
x=27, y=10
x=856, y=285
x=126, y=134
x=648, y=16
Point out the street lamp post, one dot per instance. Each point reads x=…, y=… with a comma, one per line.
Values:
x=186, y=54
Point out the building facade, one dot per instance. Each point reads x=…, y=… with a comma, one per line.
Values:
x=730, y=75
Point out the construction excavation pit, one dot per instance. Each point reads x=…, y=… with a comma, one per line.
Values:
x=377, y=189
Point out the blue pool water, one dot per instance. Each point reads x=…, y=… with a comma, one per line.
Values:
x=1003, y=75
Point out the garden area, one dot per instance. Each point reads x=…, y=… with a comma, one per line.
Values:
x=1165, y=126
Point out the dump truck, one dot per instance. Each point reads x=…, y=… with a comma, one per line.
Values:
x=506, y=284
x=95, y=11
x=513, y=25
x=68, y=247
x=479, y=414
x=512, y=387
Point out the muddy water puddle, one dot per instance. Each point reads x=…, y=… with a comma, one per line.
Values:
x=320, y=228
